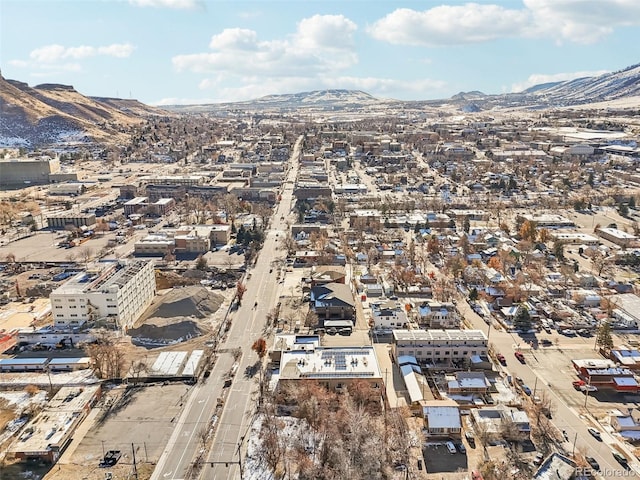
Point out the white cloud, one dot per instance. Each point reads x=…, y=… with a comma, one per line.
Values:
x=579, y=21
x=175, y=4
x=55, y=53
x=234, y=39
x=322, y=44
x=47, y=54
x=449, y=25
x=540, y=78
x=118, y=50
x=326, y=31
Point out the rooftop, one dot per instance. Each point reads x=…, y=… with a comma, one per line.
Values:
x=323, y=363
x=439, y=335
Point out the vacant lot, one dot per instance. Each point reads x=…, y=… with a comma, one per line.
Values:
x=139, y=419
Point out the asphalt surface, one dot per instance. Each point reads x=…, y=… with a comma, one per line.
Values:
x=247, y=325
x=565, y=417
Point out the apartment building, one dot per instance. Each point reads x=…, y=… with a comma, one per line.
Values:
x=439, y=347
x=119, y=291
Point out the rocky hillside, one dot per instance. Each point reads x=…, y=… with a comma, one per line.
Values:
x=318, y=100
x=50, y=114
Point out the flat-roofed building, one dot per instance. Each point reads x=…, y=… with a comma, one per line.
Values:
x=63, y=220
x=154, y=246
x=67, y=188
x=575, y=238
x=619, y=237
x=334, y=368
x=136, y=205
x=366, y=219
x=23, y=364
x=174, y=180
x=21, y=171
x=162, y=206
x=547, y=220
x=444, y=347
x=47, y=435
x=118, y=291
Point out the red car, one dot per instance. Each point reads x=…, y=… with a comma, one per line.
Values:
x=476, y=476
x=519, y=356
x=501, y=359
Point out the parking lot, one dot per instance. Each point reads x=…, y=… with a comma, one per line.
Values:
x=553, y=366
x=438, y=459
x=135, y=418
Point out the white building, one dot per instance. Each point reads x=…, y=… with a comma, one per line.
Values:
x=439, y=314
x=439, y=346
x=119, y=291
x=388, y=315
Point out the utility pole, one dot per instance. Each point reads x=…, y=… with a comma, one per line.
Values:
x=135, y=467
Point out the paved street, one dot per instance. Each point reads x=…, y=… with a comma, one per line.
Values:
x=247, y=325
x=574, y=421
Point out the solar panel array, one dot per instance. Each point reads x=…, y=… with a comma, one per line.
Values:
x=341, y=361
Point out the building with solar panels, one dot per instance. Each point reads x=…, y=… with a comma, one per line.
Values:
x=334, y=368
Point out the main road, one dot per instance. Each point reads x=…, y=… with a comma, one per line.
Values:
x=565, y=417
x=248, y=321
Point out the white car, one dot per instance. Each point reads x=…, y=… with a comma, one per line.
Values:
x=451, y=447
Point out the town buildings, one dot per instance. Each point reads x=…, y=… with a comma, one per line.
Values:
x=117, y=292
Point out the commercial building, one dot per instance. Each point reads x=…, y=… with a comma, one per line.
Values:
x=605, y=374
x=50, y=432
x=21, y=171
x=119, y=292
x=619, y=237
x=439, y=347
x=334, y=368
x=136, y=205
x=62, y=220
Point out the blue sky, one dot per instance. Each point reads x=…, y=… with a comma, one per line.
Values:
x=202, y=51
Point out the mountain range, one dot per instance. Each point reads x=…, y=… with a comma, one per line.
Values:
x=51, y=113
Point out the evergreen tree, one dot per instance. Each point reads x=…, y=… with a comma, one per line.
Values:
x=473, y=294
x=466, y=225
x=242, y=233
x=604, y=340
x=522, y=320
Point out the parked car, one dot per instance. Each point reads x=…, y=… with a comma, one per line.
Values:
x=520, y=357
x=471, y=440
x=110, y=458
x=476, y=476
x=461, y=448
x=451, y=447
x=595, y=433
x=526, y=390
x=621, y=459
x=501, y=359
x=593, y=463
x=537, y=461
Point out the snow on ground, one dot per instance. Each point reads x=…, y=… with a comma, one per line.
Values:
x=19, y=400
x=22, y=399
x=293, y=429
x=79, y=377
